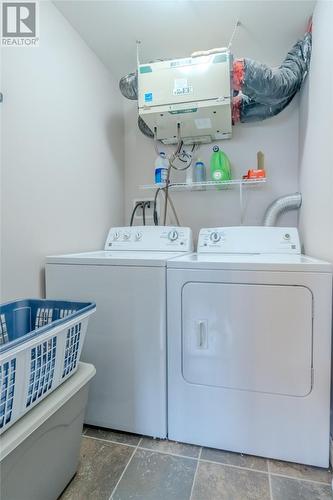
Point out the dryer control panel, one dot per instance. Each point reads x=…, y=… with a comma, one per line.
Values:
x=150, y=238
x=249, y=240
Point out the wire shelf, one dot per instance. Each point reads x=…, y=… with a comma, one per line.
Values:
x=202, y=186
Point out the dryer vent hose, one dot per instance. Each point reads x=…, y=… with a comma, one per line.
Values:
x=283, y=204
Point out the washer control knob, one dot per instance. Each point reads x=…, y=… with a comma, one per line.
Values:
x=173, y=235
x=116, y=236
x=126, y=236
x=215, y=237
x=138, y=236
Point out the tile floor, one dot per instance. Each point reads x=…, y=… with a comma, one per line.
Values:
x=119, y=466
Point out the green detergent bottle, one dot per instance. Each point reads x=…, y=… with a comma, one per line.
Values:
x=220, y=169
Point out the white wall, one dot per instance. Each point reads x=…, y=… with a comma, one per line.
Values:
x=277, y=137
x=62, y=157
x=316, y=140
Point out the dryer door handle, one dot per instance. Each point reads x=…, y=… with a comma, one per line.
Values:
x=202, y=334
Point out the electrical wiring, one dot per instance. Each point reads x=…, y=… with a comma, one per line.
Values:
x=173, y=210
x=181, y=155
x=144, y=213
x=166, y=189
x=175, y=155
x=186, y=154
x=139, y=204
x=166, y=194
x=155, y=215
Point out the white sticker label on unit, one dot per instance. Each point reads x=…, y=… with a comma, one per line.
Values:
x=202, y=123
x=181, y=62
x=181, y=87
x=180, y=83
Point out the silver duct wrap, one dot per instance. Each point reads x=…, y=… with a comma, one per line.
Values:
x=281, y=205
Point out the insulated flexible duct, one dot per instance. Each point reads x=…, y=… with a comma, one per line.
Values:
x=128, y=86
x=246, y=110
x=264, y=91
x=144, y=128
x=281, y=205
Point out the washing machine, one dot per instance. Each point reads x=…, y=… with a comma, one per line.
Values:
x=249, y=345
x=126, y=340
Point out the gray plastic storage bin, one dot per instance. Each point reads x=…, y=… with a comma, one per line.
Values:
x=39, y=454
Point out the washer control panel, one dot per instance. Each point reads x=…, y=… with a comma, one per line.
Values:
x=150, y=238
x=247, y=239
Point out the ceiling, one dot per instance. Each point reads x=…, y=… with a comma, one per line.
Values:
x=170, y=29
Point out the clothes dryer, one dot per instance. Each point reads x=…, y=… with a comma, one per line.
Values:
x=249, y=345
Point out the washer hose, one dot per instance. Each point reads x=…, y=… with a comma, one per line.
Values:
x=282, y=204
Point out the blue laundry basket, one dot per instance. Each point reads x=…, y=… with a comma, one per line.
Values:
x=40, y=347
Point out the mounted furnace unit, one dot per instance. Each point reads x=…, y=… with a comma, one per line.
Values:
x=193, y=94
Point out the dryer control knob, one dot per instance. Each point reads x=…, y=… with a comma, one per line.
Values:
x=215, y=237
x=126, y=236
x=173, y=235
x=138, y=236
x=116, y=236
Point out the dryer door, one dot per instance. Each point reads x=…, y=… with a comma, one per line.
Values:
x=248, y=337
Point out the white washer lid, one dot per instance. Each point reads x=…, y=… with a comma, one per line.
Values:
x=251, y=262
x=116, y=258
x=26, y=425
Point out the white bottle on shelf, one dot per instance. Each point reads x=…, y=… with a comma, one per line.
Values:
x=161, y=169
